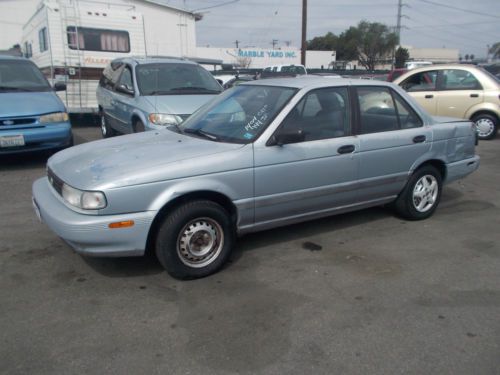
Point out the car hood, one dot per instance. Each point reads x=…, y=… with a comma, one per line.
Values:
x=178, y=104
x=136, y=159
x=19, y=104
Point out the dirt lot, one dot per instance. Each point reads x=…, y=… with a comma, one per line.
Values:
x=361, y=293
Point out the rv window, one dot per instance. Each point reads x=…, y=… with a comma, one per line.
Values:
x=42, y=40
x=88, y=39
x=27, y=50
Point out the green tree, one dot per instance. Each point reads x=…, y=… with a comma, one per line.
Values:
x=466, y=57
x=375, y=44
x=323, y=43
x=402, y=55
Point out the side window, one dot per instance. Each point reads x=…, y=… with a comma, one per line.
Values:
x=407, y=116
x=424, y=81
x=110, y=75
x=377, y=110
x=321, y=114
x=42, y=39
x=457, y=79
x=126, y=78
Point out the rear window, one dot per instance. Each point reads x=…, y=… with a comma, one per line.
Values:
x=104, y=40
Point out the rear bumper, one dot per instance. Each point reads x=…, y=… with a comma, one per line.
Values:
x=90, y=234
x=462, y=168
x=39, y=138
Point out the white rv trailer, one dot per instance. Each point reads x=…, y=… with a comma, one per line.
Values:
x=73, y=40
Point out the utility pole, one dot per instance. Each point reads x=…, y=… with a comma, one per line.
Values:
x=274, y=42
x=398, y=25
x=237, y=43
x=304, y=28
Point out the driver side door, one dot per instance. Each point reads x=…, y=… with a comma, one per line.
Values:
x=316, y=175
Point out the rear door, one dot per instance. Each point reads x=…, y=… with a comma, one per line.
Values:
x=422, y=86
x=105, y=93
x=458, y=90
x=392, y=138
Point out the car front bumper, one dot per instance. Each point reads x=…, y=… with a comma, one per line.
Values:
x=39, y=137
x=90, y=234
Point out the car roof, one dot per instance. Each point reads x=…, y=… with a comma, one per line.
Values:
x=301, y=82
x=139, y=60
x=9, y=57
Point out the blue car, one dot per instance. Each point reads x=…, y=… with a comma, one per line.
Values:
x=32, y=117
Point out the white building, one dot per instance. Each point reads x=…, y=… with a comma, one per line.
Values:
x=260, y=58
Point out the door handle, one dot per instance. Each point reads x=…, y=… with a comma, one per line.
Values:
x=419, y=139
x=347, y=149
x=474, y=95
x=429, y=96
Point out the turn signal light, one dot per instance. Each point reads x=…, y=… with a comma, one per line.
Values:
x=121, y=224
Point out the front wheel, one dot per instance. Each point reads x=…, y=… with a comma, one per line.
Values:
x=106, y=130
x=195, y=240
x=486, y=126
x=421, y=195
x=139, y=127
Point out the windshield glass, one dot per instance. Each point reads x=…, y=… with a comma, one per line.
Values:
x=240, y=114
x=19, y=75
x=175, y=79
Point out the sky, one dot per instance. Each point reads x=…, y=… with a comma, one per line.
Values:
x=460, y=24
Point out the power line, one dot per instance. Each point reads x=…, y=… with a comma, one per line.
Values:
x=460, y=9
x=216, y=5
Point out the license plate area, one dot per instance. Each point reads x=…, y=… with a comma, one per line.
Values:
x=12, y=140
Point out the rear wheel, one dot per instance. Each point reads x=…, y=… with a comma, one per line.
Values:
x=106, y=130
x=195, y=240
x=421, y=195
x=486, y=125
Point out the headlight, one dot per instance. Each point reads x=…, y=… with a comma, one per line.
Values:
x=88, y=200
x=54, y=117
x=164, y=119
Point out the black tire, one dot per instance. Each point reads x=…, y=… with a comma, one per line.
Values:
x=139, y=127
x=407, y=203
x=195, y=239
x=106, y=130
x=486, y=125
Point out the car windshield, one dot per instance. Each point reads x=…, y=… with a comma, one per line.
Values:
x=175, y=79
x=238, y=115
x=21, y=76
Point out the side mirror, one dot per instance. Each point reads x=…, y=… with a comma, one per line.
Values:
x=285, y=137
x=59, y=86
x=125, y=90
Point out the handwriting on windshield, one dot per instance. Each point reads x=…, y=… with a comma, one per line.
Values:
x=258, y=119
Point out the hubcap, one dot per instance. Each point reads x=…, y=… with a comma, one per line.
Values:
x=200, y=242
x=484, y=127
x=103, y=125
x=425, y=193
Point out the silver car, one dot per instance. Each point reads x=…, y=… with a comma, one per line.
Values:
x=138, y=94
x=263, y=154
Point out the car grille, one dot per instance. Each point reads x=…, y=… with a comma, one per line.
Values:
x=55, y=181
x=17, y=121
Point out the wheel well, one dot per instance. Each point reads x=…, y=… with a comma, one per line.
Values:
x=484, y=112
x=135, y=118
x=213, y=196
x=438, y=164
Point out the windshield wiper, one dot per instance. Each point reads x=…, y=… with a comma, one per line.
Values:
x=176, y=127
x=202, y=133
x=194, y=88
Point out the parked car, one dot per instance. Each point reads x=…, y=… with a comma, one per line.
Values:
x=138, y=94
x=32, y=117
x=395, y=73
x=416, y=64
x=290, y=69
x=462, y=91
x=263, y=154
